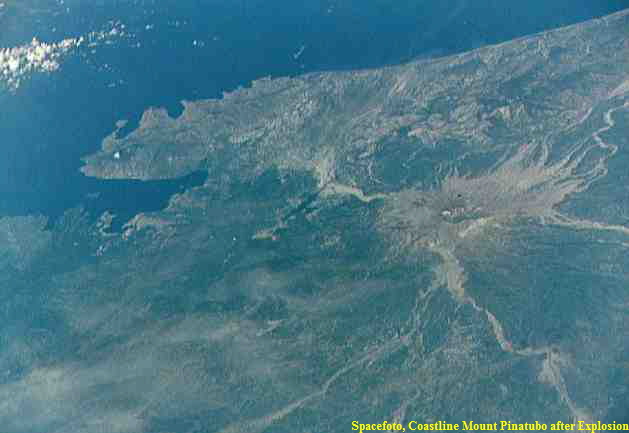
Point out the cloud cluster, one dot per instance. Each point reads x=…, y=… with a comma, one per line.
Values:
x=19, y=63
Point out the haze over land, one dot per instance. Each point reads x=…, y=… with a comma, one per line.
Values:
x=443, y=239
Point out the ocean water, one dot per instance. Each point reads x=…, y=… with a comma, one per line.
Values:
x=195, y=49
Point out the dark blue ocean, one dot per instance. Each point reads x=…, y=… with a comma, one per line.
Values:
x=55, y=119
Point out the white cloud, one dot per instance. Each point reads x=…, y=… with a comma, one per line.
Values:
x=21, y=62
x=18, y=62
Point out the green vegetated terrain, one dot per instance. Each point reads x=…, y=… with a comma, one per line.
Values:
x=444, y=239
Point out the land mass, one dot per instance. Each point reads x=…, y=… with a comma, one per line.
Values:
x=440, y=240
